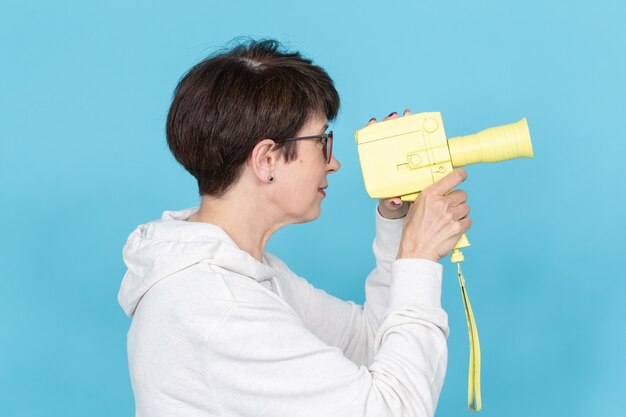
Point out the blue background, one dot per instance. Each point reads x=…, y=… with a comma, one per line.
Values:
x=84, y=90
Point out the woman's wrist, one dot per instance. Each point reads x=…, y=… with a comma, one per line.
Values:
x=417, y=254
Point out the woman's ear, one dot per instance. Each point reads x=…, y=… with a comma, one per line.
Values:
x=263, y=160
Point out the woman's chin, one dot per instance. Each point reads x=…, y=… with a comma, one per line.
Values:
x=309, y=217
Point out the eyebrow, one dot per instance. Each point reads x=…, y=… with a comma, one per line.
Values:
x=325, y=128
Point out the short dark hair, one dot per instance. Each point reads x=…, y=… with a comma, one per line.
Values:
x=229, y=102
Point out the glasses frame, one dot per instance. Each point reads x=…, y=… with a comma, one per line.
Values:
x=328, y=145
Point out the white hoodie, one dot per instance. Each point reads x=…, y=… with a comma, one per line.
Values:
x=217, y=333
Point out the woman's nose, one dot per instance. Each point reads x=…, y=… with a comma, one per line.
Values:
x=333, y=165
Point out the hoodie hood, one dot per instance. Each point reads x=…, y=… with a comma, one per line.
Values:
x=158, y=249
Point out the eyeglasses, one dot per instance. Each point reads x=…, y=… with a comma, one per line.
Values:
x=327, y=140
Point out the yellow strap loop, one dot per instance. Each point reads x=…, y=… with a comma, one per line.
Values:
x=474, y=402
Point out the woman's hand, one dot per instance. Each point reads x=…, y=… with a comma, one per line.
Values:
x=392, y=208
x=436, y=220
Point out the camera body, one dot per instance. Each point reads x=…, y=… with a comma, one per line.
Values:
x=402, y=156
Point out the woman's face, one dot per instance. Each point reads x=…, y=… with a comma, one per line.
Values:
x=300, y=183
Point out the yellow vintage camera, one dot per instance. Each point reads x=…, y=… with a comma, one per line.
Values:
x=402, y=156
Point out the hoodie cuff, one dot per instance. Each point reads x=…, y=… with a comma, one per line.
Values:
x=388, y=235
x=415, y=282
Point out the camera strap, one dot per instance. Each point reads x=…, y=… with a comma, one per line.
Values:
x=474, y=402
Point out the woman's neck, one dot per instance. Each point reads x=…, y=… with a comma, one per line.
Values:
x=249, y=225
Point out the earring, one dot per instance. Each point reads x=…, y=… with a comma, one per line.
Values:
x=270, y=178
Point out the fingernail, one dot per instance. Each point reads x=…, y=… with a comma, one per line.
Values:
x=391, y=114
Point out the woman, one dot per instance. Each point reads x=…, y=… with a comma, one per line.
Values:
x=222, y=328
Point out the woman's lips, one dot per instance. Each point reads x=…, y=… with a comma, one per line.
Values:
x=322, y=191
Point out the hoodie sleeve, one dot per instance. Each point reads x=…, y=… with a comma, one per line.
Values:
x=264, y=361
x=344, y=324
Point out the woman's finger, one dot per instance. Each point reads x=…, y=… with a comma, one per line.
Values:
x=444, y=185
x=392, y=115
x=393, y=202
x=466, y=223
x=456, y=197
x=393, y=208
x=460, y=212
